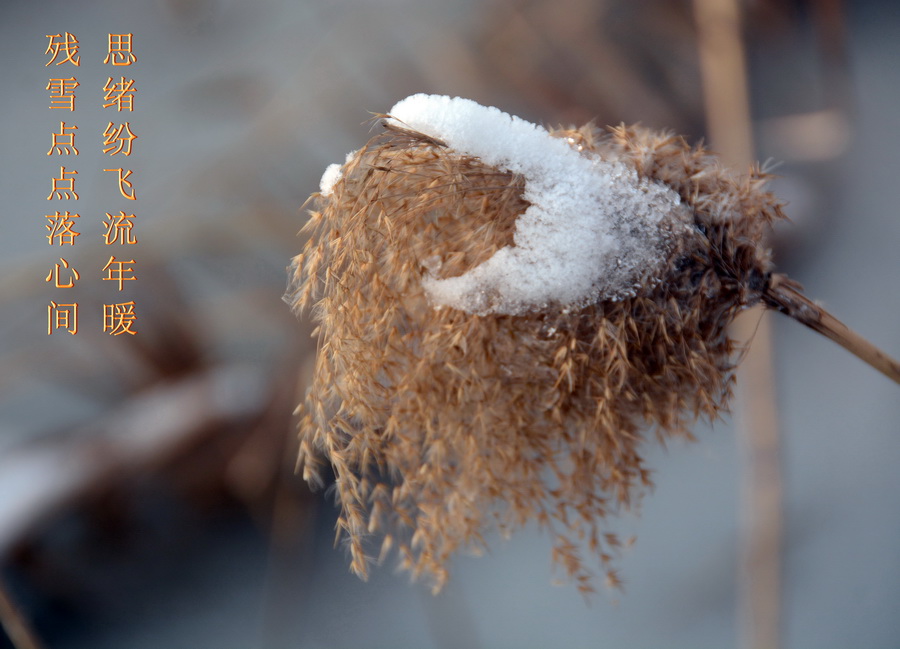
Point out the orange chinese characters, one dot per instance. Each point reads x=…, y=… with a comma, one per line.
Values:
x=119, y=94
x=63, y=44
x=62, y=93
x=119, y=50
x=63, y=187
x=118, y=139
x=117, y=271
x=118, y=229
x=124, y=183
x=119, y=318
x=63, y=269
x=63, y=142
x=62, y=316
x=60, y=228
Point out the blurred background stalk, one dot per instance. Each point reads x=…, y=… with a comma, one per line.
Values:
x=727, y=104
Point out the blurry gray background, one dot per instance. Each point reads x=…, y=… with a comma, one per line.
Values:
x=147, y=495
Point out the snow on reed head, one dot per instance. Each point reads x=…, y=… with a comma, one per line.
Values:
x=591, y=229
x=443, y=424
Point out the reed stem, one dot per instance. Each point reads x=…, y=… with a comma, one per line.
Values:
x=784, y=295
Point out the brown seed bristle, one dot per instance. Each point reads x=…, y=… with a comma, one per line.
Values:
x=441, y=425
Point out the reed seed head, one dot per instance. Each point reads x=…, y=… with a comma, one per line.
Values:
x=444, y=425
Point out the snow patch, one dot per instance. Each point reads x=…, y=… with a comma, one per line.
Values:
x=592, y=229
x=332, y=175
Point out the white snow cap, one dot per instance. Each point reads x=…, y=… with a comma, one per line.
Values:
x=329, y=179
x=333, y=173
x=592, y=229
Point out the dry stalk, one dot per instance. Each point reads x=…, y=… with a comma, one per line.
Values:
x=783, y=294
x=17, y=627
x=726, y=97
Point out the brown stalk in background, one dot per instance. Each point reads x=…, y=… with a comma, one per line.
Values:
x=17, y=628
x=727, y=107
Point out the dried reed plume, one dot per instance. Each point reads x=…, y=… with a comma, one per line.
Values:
x=442, y=426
